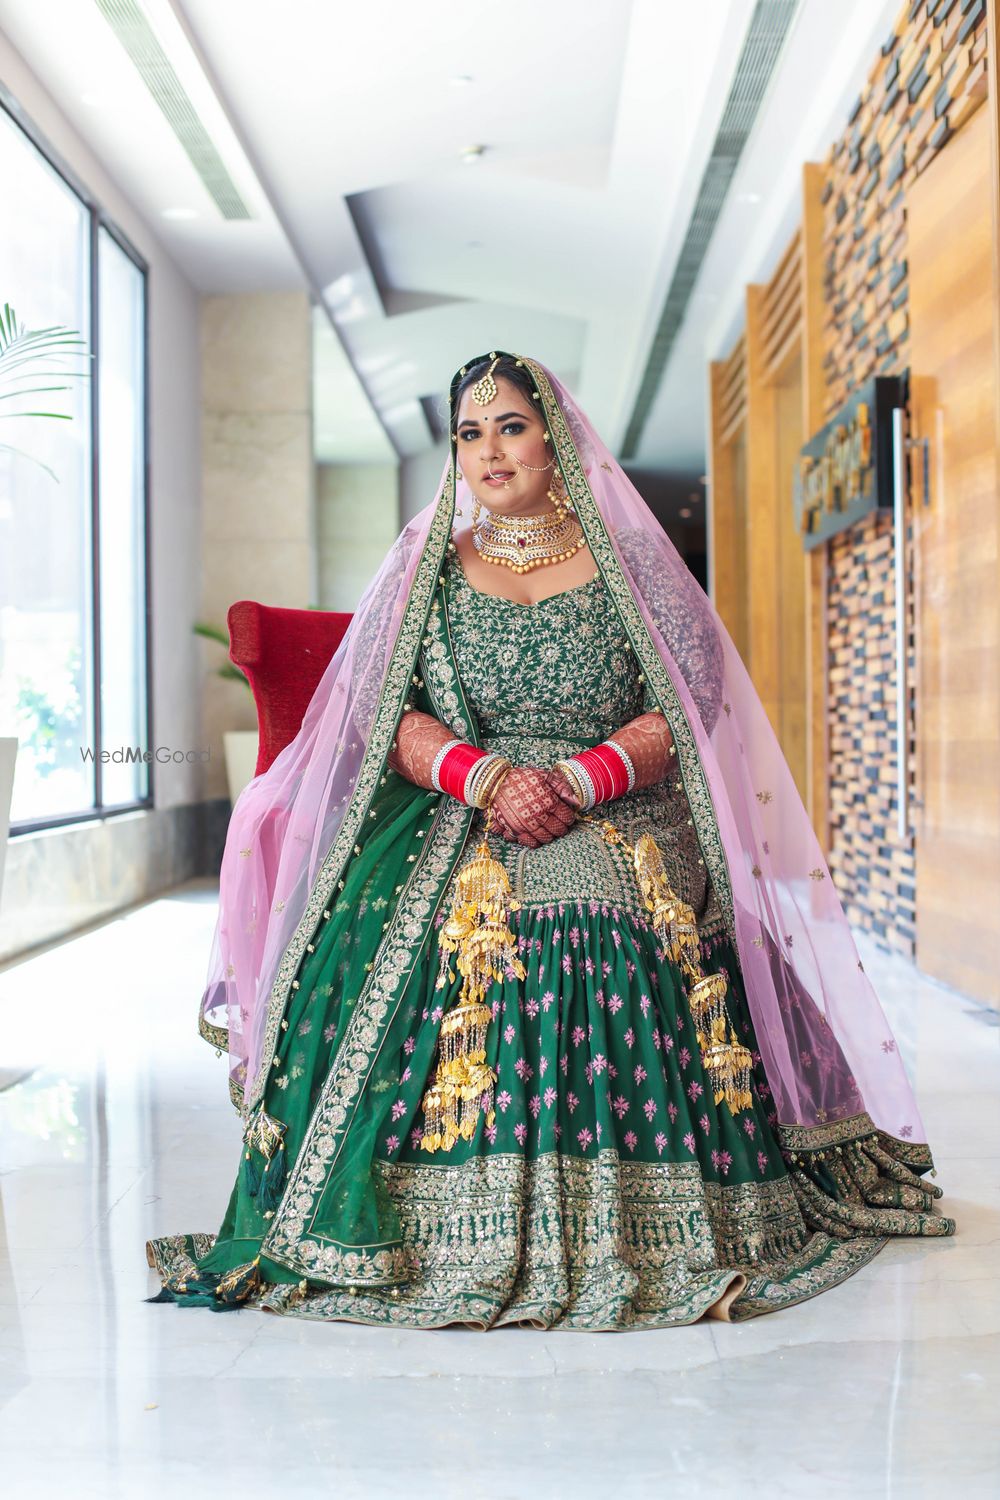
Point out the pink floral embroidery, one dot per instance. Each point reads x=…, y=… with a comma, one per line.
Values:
x=649, y=1108
x=615, y=1003
x=639, y=1073
x=567, y=963
x=644, y=1004
x=589, y=1072
x=689, y=1141
x=531, y=1009
x=543, y=1066
x=761, y=1162
x=405, y=1076
x=749, y=1127
x=656, y=1038
x=694, y=1090
x=504, y=1101
x=571, y=1101
x=600, y=1063
x=703, y=1122
x=620, y=1105
x=550, y=1096
x=557, y=1131
x=391, y=1142
x=605, y=968
x=535, y=1104
x=523, y=1069
x=577, y=1035
x=584, y=1137
x=599, y=1127
x=491, y=1134
x=630, y=1038
x=659, y=1141
x=672, y=1111
x=416, y=1136
x=437, y=1013
x=684, y=1057
x=398, y=1110
x=574, y=936
x=410, y=1046
x=589, y=967
x=521, y=1132
x=548, y=999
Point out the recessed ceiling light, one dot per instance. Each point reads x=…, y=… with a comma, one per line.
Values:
x=471, y=154
x=685, y=514
x=179, y=213
x=461, y=80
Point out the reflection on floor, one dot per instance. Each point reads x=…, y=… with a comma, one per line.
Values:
x=887, y=1385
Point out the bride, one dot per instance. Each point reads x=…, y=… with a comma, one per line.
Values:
x=539, y=1001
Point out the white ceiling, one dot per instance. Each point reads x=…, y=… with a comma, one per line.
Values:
x=342, y=127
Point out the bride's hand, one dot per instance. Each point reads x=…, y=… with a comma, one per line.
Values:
x=562, y=786
x=527, y=810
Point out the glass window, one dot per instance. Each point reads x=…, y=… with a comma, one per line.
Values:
x=62, y=574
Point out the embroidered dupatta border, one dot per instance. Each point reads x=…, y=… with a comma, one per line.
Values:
x=289, y=1239
x=599, y=541
x=395, y=689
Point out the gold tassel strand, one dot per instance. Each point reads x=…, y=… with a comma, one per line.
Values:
x=478, y=931
x=727, y=1062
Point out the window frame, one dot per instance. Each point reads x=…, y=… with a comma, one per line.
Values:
x=99, y=219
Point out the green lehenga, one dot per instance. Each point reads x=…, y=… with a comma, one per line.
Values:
x=610, y=1191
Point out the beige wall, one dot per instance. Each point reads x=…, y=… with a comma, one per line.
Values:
x=357, y=522
x=258, y=534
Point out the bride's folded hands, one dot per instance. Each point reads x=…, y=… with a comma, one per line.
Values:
x=528, y=810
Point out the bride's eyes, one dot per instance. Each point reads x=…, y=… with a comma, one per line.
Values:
x=512, y=427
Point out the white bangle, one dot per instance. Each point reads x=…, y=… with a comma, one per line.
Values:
x=626, y=759
x=439, y=757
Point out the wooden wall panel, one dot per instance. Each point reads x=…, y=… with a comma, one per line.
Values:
x=953, y=349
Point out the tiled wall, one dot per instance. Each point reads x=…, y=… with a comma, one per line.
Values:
x=929, y=77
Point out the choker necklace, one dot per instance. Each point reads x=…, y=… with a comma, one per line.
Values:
x=526, y=542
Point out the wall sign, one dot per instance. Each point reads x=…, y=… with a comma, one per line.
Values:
x=845, y=470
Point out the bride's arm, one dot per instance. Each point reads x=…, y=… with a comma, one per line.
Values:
x=646, y=742
x=418, y=740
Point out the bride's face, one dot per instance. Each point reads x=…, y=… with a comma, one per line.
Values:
x=501, y=437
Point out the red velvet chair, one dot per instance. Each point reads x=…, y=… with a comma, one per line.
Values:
x=284, y=653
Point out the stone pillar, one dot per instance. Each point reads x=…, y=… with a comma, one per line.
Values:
x=258, y=479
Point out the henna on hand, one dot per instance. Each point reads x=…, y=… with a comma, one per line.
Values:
x=526, y=810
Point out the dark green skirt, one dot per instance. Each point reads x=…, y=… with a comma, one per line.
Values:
x=610, y=1191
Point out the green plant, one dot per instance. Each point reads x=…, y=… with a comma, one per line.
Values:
x=23, y=353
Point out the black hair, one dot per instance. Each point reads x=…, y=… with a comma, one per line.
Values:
x=506, y=367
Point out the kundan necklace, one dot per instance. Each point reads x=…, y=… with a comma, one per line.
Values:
x=523, y=543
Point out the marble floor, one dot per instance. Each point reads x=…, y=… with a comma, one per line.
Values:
x=120, y=1127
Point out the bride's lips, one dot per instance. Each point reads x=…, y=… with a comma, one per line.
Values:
x=501, y=478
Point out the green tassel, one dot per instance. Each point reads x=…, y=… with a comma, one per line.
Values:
x=251, y=1173
x=209, y=1289
x=272, y=1182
